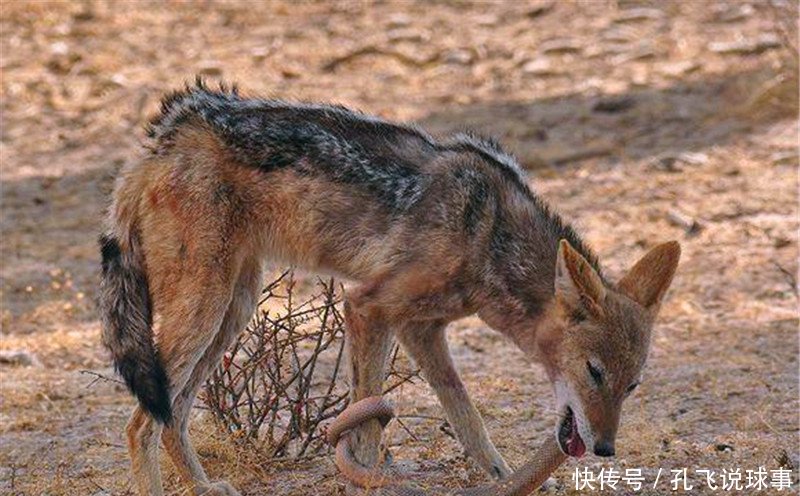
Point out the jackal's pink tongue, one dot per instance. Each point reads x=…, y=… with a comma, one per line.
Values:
x=575, y=446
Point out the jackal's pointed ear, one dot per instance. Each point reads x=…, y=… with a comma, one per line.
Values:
x=577, y=283
x=647, y=282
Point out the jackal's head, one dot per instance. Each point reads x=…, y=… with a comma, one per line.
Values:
x=596, y=342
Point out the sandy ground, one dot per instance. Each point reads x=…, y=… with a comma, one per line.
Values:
x=627, y=119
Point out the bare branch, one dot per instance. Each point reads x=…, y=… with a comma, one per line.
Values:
x=280, y=380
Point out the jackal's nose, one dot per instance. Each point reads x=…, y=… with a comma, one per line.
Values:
x=604, y=448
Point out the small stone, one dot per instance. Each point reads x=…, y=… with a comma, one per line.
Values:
x=691, y=226
x=559, y=46
x=621, y=34
x=407, y=34
x=644, y=52
x=19, y=357
x=289, y=73
x=540, y=67
x=746, y=47
x=789, y=157
x=539, y=10
x=86, y=14
x=733, y=13
x=681, y=68
x=399, y=20
x=460, y=56
x=670, y=161
x=638, y=15
x=59, y=48
x=118, y=80
x=260, y=53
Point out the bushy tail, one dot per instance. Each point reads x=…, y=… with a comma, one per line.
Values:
x=127, y=316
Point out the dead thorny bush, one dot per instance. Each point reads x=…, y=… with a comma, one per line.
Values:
x=282, y=378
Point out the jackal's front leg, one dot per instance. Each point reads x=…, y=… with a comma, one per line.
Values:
x=368, y=342
x=427, y=345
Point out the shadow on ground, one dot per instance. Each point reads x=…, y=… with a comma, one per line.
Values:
x=641, y=123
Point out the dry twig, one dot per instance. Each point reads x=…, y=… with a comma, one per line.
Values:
x=688, y=224
x=280, y=381
x=332, y=64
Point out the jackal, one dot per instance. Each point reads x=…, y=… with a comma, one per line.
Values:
x=431, y=230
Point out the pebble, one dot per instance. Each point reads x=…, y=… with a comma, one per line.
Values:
x=540, y=67
x=558, y=46
x=789, y=157
x=539, y=10
x=19, y=357
x=746, y=47
x=644, y=52
x=734, y=13
x=399, y=20
x=59, y=48
x=460, y=56
x=639, y=14
x=669, y=161
x=407, y=34
x=681, y=68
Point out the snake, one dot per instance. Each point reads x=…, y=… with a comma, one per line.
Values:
x=380, y=482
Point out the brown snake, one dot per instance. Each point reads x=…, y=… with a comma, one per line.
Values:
x=522, y=482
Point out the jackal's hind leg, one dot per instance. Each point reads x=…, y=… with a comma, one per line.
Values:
x=189, y=323
x=427, y=345
x=368, y=342
x=176, y=436
x=143, y=432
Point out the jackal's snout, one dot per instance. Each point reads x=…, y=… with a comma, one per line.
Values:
x=604, y=447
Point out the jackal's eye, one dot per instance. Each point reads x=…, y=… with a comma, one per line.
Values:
x=631, y=388
x=596, y=374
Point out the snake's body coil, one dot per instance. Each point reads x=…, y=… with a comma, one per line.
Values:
x=522, y=482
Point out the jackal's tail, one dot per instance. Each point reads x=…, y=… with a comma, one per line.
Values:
x=127, y=317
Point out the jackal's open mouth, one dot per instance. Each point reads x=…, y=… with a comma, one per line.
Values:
x=568, y=437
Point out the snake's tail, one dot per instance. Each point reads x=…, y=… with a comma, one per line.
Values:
x=357, y=473
x=381, y=483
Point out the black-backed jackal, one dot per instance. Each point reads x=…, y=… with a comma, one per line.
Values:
x=431, y=230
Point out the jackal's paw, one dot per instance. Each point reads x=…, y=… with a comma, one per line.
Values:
x=219, y=488
x=499, y=469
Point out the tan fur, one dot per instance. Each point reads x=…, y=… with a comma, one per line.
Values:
x=615, y=331
x=207, y=222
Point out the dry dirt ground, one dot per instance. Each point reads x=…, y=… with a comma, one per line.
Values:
x=632, y=122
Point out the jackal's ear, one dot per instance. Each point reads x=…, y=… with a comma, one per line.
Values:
x=647, y=282
x=577, y=283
